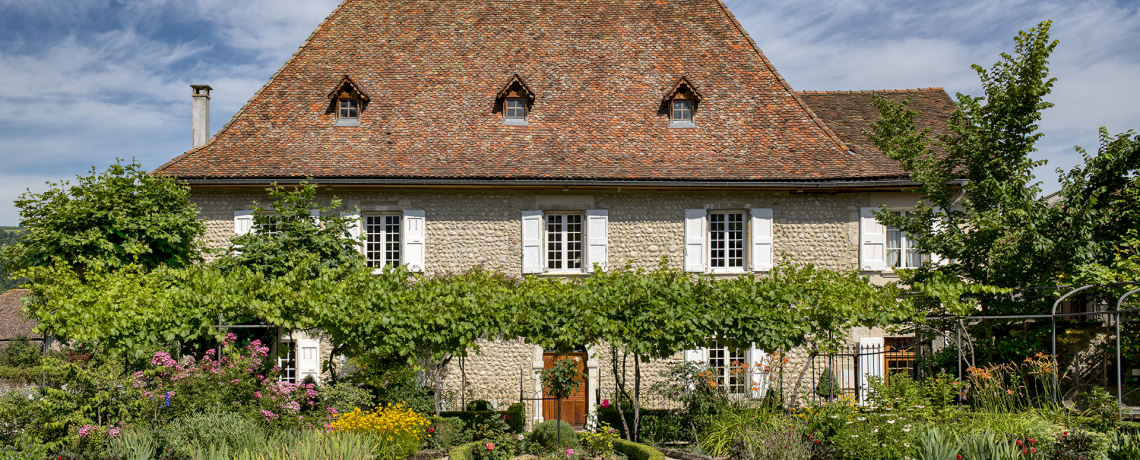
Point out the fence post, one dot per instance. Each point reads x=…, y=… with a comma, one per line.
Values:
x=1119, y=366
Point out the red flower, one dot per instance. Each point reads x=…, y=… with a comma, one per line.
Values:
x=431, y=430
x=817, y=441
x=1023, y=451
x=1033, y=450
x=959, y=457
x=1018, y=443
x=1031, y=440
x=490, y=446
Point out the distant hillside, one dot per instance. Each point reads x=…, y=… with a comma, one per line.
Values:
x=11, y=229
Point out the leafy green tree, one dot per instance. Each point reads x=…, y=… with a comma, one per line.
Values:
x=992, y=227
x=8, y=237
x=115, y=218
x=562, y=379
x=291, y=228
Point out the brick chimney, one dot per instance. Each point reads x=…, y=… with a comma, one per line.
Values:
x=201, y=114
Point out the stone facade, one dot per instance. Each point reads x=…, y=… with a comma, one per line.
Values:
x=466, y=228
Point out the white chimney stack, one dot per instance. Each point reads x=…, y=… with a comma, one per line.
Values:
x=201, y=114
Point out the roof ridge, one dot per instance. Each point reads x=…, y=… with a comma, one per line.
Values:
x=249, y=102
x=780, y=78
x=864, y=91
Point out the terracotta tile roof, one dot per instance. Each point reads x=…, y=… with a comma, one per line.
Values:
x=848, y=113
x=12, y=320
x=599, y=71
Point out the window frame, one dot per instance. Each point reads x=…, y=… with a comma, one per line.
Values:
x=904, y=245
x=582, y=246
x=340, y=108
x=673, y=110
x=400, y=251
x=745, y=240
x=735, y=384
x=522, y=107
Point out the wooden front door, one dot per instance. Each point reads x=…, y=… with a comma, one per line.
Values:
x=574, y=407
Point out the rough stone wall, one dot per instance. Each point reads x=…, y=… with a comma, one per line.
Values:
x=484, y=228
x=466, y=228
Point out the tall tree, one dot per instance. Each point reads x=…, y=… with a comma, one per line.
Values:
x=115, y=218
x=992, y=227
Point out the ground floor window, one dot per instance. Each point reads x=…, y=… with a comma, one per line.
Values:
x=287, y=361
x=730, y=368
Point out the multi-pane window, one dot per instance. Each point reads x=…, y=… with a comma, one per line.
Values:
x=270, y=227
x=349, y=108
x=730, y=367
x=382, y=240
x=564, y=241
x=515, y=108
x=682, y=110
x=287, y=361
x=726, y=240
x=901, y=252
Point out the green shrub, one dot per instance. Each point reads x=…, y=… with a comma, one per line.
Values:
x=479, y=404
x=934, y=444
x=515, y=417
x=1124, y=447
x=546, y=434
x=446, y=432
x=828, y=386
x=658, y=425
x=635, y=451
x=21, y=353
x=775, y=439
x=344, y=397
x=463, y=452
x=729, y=427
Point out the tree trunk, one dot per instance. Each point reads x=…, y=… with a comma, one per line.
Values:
x=800, y=379
x=637, y=399
x=620, y=384
x=558, y=420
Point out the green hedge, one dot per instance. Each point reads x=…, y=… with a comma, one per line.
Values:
x=516, y=416
x=464, y=452
x=657, y=424
x=635, y=451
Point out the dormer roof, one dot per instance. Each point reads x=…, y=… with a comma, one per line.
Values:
x=347, y=87
x=516, y=87
x=683, y=88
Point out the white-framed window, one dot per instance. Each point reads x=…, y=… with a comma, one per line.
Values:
x=730, y=368
x=382, y=244
x=901, y=252
x=564, y=242
x=394, y=238
x=514, y=108
x=727, y=241
x=739, y=371
x=349, y=109
x=885, y=248
x=287, y=361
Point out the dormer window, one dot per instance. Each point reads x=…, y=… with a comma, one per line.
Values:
x=348, y=102
x=349, y=108
x=681, y=103
x=515, y=100
x=515, y=108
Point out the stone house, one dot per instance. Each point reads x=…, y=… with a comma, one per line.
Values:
x=539, y=137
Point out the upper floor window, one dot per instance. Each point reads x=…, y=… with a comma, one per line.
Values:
x=348, y=102
x=516, y=99
x=726, y=240
x=901, y=252
x=563, y=242
x=681, y=103
x=382, y=240
x=349, y=108
x=515, y=108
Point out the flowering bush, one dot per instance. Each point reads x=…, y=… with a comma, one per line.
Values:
x=601, y=442
x=396, y=430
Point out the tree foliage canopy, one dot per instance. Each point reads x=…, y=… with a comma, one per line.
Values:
x=117, y=218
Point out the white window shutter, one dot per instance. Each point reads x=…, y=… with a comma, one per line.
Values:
x=316, y=213
x=308, y=359
x=870, y=363
x=695, y=240
x=355, y=225
x=697, y=355
x=532, y=241
x=597, y=238
x=939, y=227
x=243, y=222
x=413, y=239
x=756, y=372
x=872, y=241
x=762, y=239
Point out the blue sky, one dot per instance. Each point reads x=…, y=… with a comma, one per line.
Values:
x=86, y=81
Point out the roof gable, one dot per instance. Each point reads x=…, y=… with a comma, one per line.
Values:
x=598, y=69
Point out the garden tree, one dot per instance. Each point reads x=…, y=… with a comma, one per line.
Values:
x=293, y=226
x=115, y=218
x=1101, y=211
x=8, y=237
x=561, y=380
x=992, y=229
